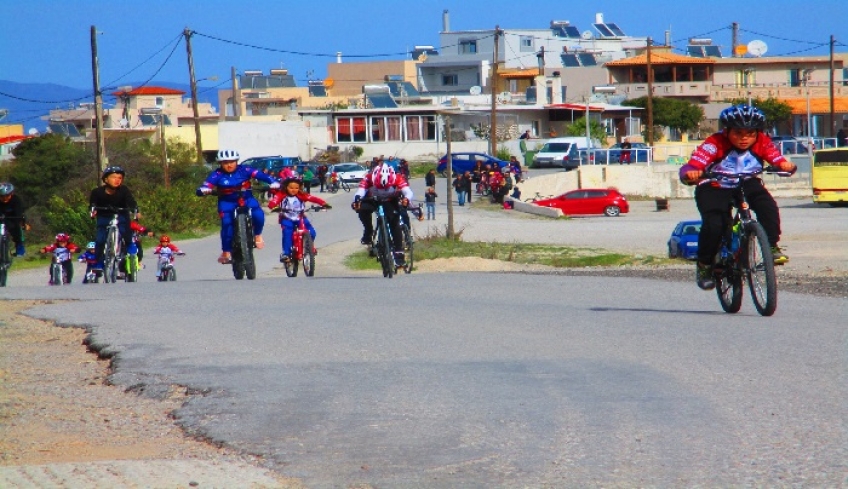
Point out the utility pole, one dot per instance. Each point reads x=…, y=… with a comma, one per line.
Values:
x=101, y=160
x=734, y=39
x=236, y=94
x=832, y=124
x=450, y=231
x=493, y=126
x=650, y=100
x=167, y=170
x=197, y=140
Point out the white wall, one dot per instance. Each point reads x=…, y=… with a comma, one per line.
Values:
x=268, y=138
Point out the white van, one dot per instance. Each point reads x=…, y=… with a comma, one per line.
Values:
x=564, y=152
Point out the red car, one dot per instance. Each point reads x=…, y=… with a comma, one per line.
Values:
x=605, y=201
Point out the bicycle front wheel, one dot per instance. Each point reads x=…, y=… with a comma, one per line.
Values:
x=55, y=274
x=384, y=250
x=308, y=255
x=729, y=288
x=345, y=186
x=110, y=256
x=172, y=275
x=759, y=269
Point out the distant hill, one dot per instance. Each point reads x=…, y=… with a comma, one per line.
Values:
x=27, y=103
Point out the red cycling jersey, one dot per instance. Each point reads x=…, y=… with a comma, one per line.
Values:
x=716, y=147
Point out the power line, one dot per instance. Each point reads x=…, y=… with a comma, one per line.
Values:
x=299, y=53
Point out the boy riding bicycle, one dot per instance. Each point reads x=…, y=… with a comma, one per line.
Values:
x=89, y=257
x=742, y=147
x=112, y=194
x=65, y=247
x=290, y=202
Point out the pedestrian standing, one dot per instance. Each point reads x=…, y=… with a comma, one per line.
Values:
x=459, y=187
x=430, y=202
x=467, y=182
x=430, y=178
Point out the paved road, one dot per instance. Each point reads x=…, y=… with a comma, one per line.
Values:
x=484, y=380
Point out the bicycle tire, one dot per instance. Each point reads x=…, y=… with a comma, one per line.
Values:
x=729, y=287
x=759, y=269
x=131, y=271
x=384, y=250
x=6, y=260
x=172, y=275
x=345, y=186
x=239, y=242
x=55, y=274
x=408, y=249
x=110, y=258
x=308, y=255
x=249, y=261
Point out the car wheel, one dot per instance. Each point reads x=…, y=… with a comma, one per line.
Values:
x=612, y=211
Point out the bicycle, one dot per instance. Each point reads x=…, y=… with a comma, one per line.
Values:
x=537, y=197
x=303, y=248
x=5, y=251
x=339, y=184
x=408, y=246
x=243, y=241
x=745, y=255
x=165, y=265
x=58, y=273
x=113, y=253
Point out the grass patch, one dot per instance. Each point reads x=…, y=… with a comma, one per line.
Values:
x=438, y=246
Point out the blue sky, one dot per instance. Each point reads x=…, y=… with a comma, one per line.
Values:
x=48, y=41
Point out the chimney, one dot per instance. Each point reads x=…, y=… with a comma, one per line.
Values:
x=599, y=18
x=445, y=21
x=339, y=57
x=668, y=38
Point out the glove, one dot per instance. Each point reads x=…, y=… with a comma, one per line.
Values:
x=204, y=190
x=274, y=186
x=691, y=177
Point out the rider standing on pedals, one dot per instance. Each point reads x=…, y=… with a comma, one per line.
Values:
x=383, y=185
x=233, y=182
x=741, y=147
x=113, y=193
x=290, y=201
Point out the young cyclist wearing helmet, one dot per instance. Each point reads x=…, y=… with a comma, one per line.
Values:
x=89, y=257
x=166, y=247
x=12, y=208
x=290, y=200
x=383, y=185
x=65, y=248
x=741, y=147
x=113, y=193
x=232, y=181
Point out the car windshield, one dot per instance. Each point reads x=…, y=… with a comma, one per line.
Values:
x=345, y=168
x=556, y=148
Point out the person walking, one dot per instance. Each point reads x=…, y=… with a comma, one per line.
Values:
x=466, y=185
x=430, y=202
x=322, y=176
x=459, y=187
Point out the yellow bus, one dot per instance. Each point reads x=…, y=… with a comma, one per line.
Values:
x=830, y=177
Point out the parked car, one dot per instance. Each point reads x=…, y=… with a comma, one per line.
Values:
x=683, y=242
x=568, y=153
x=639, y=153
x=314, y=167
x=349, y=172
x=463, y=162
x=272, y=163
x=607, y=201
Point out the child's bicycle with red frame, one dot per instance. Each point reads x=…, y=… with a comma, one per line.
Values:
x=303, y=249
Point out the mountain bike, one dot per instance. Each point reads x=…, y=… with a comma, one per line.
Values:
x=114, y=256
x=408, y=247
x=745, y=255
x=381, y=241
x=165, y=265
x=303, y=249
x=339, y=184
x=58, y=273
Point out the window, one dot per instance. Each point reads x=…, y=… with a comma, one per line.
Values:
x=526, y=44
x=845, y=77
x=160, y=101
x=795, y=77
x=350, y=129
x=450, y=80
x=420, y=128
x=385, y=128
x=468, y=46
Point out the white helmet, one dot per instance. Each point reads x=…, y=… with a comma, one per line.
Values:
x=227, y=155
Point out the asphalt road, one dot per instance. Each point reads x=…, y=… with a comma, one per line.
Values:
x=484, y=380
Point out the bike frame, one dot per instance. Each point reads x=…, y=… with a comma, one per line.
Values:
x=113, y=255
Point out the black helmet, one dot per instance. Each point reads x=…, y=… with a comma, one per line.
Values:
x=6, y=188
x=112, y=169
x=742, y=117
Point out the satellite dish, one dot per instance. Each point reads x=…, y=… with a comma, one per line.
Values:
x=587, y=35
x=475, y=90
x=33, y=131
x=124, y=123
x=757, y=48
x=329, y=82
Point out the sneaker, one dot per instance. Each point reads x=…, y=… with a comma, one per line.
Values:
x=284, y=258
x=399, y=259
x=225, y=258
x=704, y=276
x=259, y=242
x=20, y=250
x=365, y=241
x=779, y=256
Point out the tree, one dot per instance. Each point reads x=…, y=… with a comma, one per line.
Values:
x=578, y=128
x=775, y=110
x=671, y=112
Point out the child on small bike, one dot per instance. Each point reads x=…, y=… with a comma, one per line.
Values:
x=741, y=147
x=166, y=247
x=64, y=247
x=290, y=201
x=89, y=257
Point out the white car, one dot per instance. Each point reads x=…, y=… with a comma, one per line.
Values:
x=349, y=172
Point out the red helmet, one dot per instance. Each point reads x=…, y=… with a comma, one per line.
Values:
x=164, y=239
x=384, y=177
x=62, y=237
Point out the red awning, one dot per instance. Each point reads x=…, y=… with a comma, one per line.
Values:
x=578, y=107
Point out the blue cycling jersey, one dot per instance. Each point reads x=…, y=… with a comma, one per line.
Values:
x=230, y=184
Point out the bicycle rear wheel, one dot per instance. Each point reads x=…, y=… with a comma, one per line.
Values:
x=408, y=249
x=308, y=255
x=759, y=268
x=5, y=260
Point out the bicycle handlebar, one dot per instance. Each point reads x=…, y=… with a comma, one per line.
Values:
x=712, y=175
